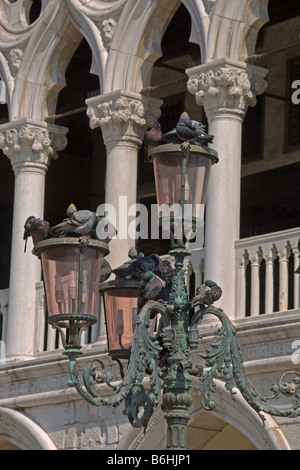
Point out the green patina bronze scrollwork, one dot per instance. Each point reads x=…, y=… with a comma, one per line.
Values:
x=223, y=357
x=145, y=351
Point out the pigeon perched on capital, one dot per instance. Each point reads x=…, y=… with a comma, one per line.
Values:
x=35, y=228
x=207, y=294
x=189, y=130
x=153, y=137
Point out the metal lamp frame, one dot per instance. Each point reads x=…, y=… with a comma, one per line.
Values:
x=160, y=370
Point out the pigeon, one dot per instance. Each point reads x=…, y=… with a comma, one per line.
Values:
x=165, y=270
x=189, y=130
x=37, y=229
x=105, y=271
x=207, y=294
x=150, y=288
x=83, y=222
x=138, y=267
x=153, y=137
x=105, y=230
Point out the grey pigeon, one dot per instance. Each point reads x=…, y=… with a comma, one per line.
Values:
x=37, y=229
x=153, y=137
x=83, y=222
x=207, y=294
x=189, y=130
x=105, y=270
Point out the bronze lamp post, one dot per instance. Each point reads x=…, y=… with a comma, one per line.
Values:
x=72, y=268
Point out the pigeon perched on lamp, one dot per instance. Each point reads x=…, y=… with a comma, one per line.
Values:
x=84, y=223
x=189, y=130
x=153, y=137
x=80, y=222
x=35, y=228
x=150, y=288
x=207, y=294
x=141, y=265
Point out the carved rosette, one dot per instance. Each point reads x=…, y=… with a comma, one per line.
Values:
x=226, y=87
x=123, y=117
x=31, y=145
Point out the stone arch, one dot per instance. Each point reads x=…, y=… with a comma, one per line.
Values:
x=17, y=431
x=234, y=27
x=136, y=44
x=235, y=417
x=34, y=57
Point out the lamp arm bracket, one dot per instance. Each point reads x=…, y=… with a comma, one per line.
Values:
x=224, y=357
x=144, y=353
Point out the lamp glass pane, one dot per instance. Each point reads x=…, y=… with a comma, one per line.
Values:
x=168, y=176
x=61, y=276
x=121, y=306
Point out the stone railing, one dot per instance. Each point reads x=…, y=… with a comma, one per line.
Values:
x=266, y=278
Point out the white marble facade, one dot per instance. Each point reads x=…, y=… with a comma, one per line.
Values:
x=37, y=409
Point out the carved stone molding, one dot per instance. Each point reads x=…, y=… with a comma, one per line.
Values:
x=107, y=28
x=123, y=116
x=226, y=86
x=30, y=144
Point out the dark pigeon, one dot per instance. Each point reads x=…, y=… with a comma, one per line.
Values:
x=37, y=229
x=153, y=137
x=207, y=294
x=189, y=130
x=150, y=288
x=138, y=267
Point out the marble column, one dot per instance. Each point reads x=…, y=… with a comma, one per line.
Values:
x=30, y=146
x=124, y=118
x=225, y=88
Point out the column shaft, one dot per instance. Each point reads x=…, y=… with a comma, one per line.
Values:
x=30, y=146
x=225, y=88
x=123, y=117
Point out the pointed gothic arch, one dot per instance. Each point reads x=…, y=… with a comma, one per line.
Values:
x=17, y=431
x=232, y=419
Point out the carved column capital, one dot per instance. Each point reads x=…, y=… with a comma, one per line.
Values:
x=30, y=144
x=225, y=86
x=123, y=116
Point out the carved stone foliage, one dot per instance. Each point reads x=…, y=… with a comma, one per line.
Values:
x=31, y=145
x=125, y=115
x=226, y=88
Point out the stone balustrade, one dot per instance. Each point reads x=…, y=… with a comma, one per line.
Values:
x=266, y=278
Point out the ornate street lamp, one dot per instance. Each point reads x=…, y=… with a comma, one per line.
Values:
x=181, y=177
x=120, y=301
x=72, y=269
x=159, y=365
